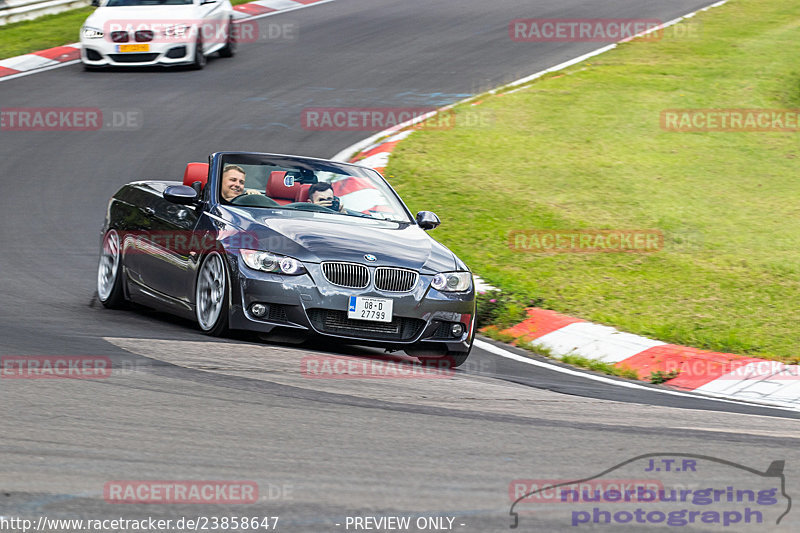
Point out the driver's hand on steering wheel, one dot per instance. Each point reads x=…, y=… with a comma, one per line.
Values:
x=252, y=191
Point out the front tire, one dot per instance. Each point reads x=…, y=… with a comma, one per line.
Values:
x=229, y=50
x=109, y=272
x=199, y=58
x=211, y=296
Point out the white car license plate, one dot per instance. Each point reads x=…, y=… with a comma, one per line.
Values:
x=375, y=309
x=133, y=48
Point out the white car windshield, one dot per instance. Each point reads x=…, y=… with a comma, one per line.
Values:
x=128, y=3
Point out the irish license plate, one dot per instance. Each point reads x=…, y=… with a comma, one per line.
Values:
x=375, y=309
x=133, y=48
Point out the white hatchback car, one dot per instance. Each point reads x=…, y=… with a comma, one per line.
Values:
x=157, y=32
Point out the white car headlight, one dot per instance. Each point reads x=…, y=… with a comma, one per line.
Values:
x=91, y=33
x=452, y=281
x=269, y=262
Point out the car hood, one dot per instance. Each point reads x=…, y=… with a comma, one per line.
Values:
x=324, y=237
x=141, y=15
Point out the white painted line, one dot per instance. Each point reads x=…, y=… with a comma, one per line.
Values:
x=624, y=384
x=400, y=136
x=353, y=149
x=560, y=66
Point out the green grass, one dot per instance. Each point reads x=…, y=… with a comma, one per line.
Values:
x=47, y=32
x=584, y=149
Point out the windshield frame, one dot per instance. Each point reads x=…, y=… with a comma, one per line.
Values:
x=220, y=159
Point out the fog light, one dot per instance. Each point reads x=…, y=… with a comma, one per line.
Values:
x=456, y=330
x=176, y=52
x=258, y=310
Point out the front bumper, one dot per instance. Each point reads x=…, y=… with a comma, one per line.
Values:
x=101, y=53
x=309, y=303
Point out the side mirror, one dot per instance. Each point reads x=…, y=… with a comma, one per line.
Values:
x=181, y=194
x=427, y=220
x=96, y=3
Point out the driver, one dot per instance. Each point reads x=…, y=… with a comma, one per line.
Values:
x=232, y=182
x=322, y=194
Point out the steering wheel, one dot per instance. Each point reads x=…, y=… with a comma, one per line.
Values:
x=308, y=206
x=253, y=200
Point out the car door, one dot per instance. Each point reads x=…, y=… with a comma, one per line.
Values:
x=130, y=218
x=169, y=248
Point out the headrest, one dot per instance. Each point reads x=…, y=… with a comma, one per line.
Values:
x=280, y=185
x=303, y=196
x=195, y=172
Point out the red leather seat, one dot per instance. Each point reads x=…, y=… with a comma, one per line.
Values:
x=278, y=190
x=195, y=172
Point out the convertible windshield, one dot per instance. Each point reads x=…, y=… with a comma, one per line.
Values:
x=282, y=182
x=127, y=3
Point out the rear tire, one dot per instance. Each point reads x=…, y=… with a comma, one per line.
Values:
x=110, y=291
x=229, y=50
x=211, y=295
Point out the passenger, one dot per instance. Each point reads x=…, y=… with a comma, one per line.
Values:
x=322, y=194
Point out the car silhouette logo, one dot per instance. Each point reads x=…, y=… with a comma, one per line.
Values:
x=371, y=258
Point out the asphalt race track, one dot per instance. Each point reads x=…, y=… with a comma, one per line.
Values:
x=182, y=406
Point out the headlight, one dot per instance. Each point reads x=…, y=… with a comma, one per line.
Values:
x=269, y=262
x=452, y=281
x=91, y=33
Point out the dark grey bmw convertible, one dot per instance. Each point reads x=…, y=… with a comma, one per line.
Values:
x=277, y=244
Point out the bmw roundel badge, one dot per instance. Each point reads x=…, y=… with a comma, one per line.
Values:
x=371, y=258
